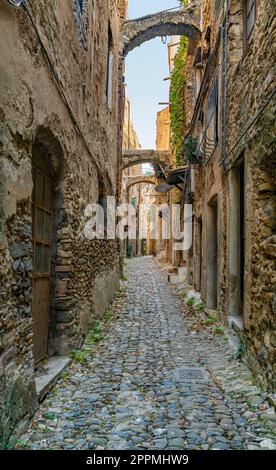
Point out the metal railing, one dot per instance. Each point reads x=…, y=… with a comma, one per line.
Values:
x=206, y=148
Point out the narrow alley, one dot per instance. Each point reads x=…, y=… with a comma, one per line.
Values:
x=137, y=227
x=152, y=384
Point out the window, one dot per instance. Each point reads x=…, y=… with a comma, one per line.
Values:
x=212, y=112
x=79, y=10
x=249, y=15
x=81, y=5
x=109, y=72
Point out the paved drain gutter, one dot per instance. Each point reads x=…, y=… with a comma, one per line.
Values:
x=191, y=374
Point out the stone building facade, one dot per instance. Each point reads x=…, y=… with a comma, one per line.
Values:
x=163, y=129
x=234, y=198
x=59, y=114
x=130, y=194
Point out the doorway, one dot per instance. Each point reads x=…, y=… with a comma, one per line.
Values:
x=200, y=254
x=237, y=238
x=42, y=216
x=212, y=260
x=242, y=234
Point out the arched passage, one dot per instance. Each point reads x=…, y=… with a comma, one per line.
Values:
x=139, y=180
x=182, y=22
x=138, y=157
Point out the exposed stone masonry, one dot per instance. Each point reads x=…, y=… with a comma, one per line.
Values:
x=136, y=32
x=53, y=103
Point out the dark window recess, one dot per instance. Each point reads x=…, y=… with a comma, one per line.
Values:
x=198, y=57
x=201, y=117
x=208, y=35
x=250, y=16
x=109, y=71
x=81, y=5
x=79, y=11
x=213, y=107
x=207, y=45
x=102, y=201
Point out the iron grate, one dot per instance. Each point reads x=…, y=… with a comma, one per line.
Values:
x=187, y=374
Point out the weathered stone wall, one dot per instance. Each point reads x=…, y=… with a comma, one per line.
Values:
x=250, y=132
x=209, y=193
x=251, y=129
x=52, y=92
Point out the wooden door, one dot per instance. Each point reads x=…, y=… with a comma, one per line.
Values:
x=42, y=207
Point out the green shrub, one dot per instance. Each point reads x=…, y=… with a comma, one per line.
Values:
x=190, y=150
x=219, y=330
x=200, y=306
x=79, y=355
x=190, y=302
x=49, y=416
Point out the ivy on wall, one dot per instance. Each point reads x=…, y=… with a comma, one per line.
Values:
x=177, y=99
x=178, y=114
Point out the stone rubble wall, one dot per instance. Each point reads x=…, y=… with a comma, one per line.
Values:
x=85, y=273
x=251, y=81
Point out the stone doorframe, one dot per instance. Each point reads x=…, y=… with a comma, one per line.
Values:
x=212, y=271
x=46, y=139
x=235, y=305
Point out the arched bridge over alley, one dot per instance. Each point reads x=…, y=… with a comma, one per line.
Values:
x=165, y=23
x=140, y=156
x=132, y=180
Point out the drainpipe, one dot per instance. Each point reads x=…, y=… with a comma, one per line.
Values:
x=225, y=103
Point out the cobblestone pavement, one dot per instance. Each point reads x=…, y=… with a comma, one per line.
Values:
x=138, y=392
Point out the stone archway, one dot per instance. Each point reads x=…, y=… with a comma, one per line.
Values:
x=131, y=181
x=168, y=23
x=140, y=156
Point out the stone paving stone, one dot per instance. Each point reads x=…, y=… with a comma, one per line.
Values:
x=129, y=396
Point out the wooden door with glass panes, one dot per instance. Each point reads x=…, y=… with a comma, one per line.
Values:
x=42, y=207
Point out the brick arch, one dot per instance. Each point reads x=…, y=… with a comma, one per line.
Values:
x=170, y=23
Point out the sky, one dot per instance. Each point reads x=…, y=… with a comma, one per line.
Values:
x=146, y=66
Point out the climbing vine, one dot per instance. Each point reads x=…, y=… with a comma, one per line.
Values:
x=177, y=98
x=178, y=114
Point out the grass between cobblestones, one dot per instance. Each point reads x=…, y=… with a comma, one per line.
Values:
x=127, y=394
x=199, y=314
x=98, y=329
